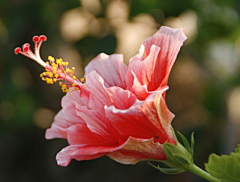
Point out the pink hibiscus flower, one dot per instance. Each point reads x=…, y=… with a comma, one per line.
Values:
x=119, y=110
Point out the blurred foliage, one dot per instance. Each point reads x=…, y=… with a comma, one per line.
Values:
x=203, y=85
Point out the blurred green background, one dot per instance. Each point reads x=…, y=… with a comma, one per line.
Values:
x=204, y=84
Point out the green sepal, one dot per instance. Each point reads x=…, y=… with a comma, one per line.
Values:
x=192, y=143
x=225, y=168
x=166, y=170
x=179, y=156
x=189, y=148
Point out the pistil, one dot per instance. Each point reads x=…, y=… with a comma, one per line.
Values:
x=55, y=69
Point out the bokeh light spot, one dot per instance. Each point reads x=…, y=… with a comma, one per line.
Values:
x=43, y=117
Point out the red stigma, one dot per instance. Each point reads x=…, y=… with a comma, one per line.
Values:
x=36, y=39
x=26, y=45
x=25, y=49
x=43, y=38
x=17, y=50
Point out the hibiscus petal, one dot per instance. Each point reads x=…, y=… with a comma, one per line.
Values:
x=120, y=98
x=145, y=119
x=155, y=70
x=111, y=68
x=80, y=134
x=60, y=124
x=101, y=96
x=67, y=116
x=94, y=120
x=135, y=150
x=78, y=152
x=98, y=97
x=130, y=152
x=141, y=75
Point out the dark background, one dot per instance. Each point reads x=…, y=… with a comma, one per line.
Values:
x=204, y=84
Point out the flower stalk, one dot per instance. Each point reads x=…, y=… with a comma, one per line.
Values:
x=200, y=172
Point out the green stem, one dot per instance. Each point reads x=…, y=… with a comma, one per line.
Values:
x=198, y=171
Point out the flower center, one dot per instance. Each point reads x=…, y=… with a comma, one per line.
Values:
x=55, y=69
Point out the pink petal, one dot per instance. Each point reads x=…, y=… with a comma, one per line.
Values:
x=120, y=98
x=130, y=152
x=94, y=120
x=110, y=68
x=145, y=119
x=65, y=156
x=67, y=116
x=98, y=97
x=101, y=96
x=142, y=73
x=59, y=126
x=158, y=54
x=136, y=150
x=80, y=134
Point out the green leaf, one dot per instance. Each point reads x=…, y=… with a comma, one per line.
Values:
x=224, y=167
x=238, y=149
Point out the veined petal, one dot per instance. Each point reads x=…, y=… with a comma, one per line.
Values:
x=67, y=116
x=60, y=125
x=111, y=68
x=78, y=152
x=142, y=73
x=135, y=150
x=98, y=97
x=131, y=151
x=102, y=96
x=158, y=53
x=145, y=119
x=120, y=98
x=80, y=134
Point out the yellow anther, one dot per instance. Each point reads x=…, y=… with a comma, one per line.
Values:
x=59, y=61
x=50, y=58
x=49, y=81
x=64, y=88
x=50, y=74
x=55, y=72
x=54, y=69
x=67, y=70
x=82, y=80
